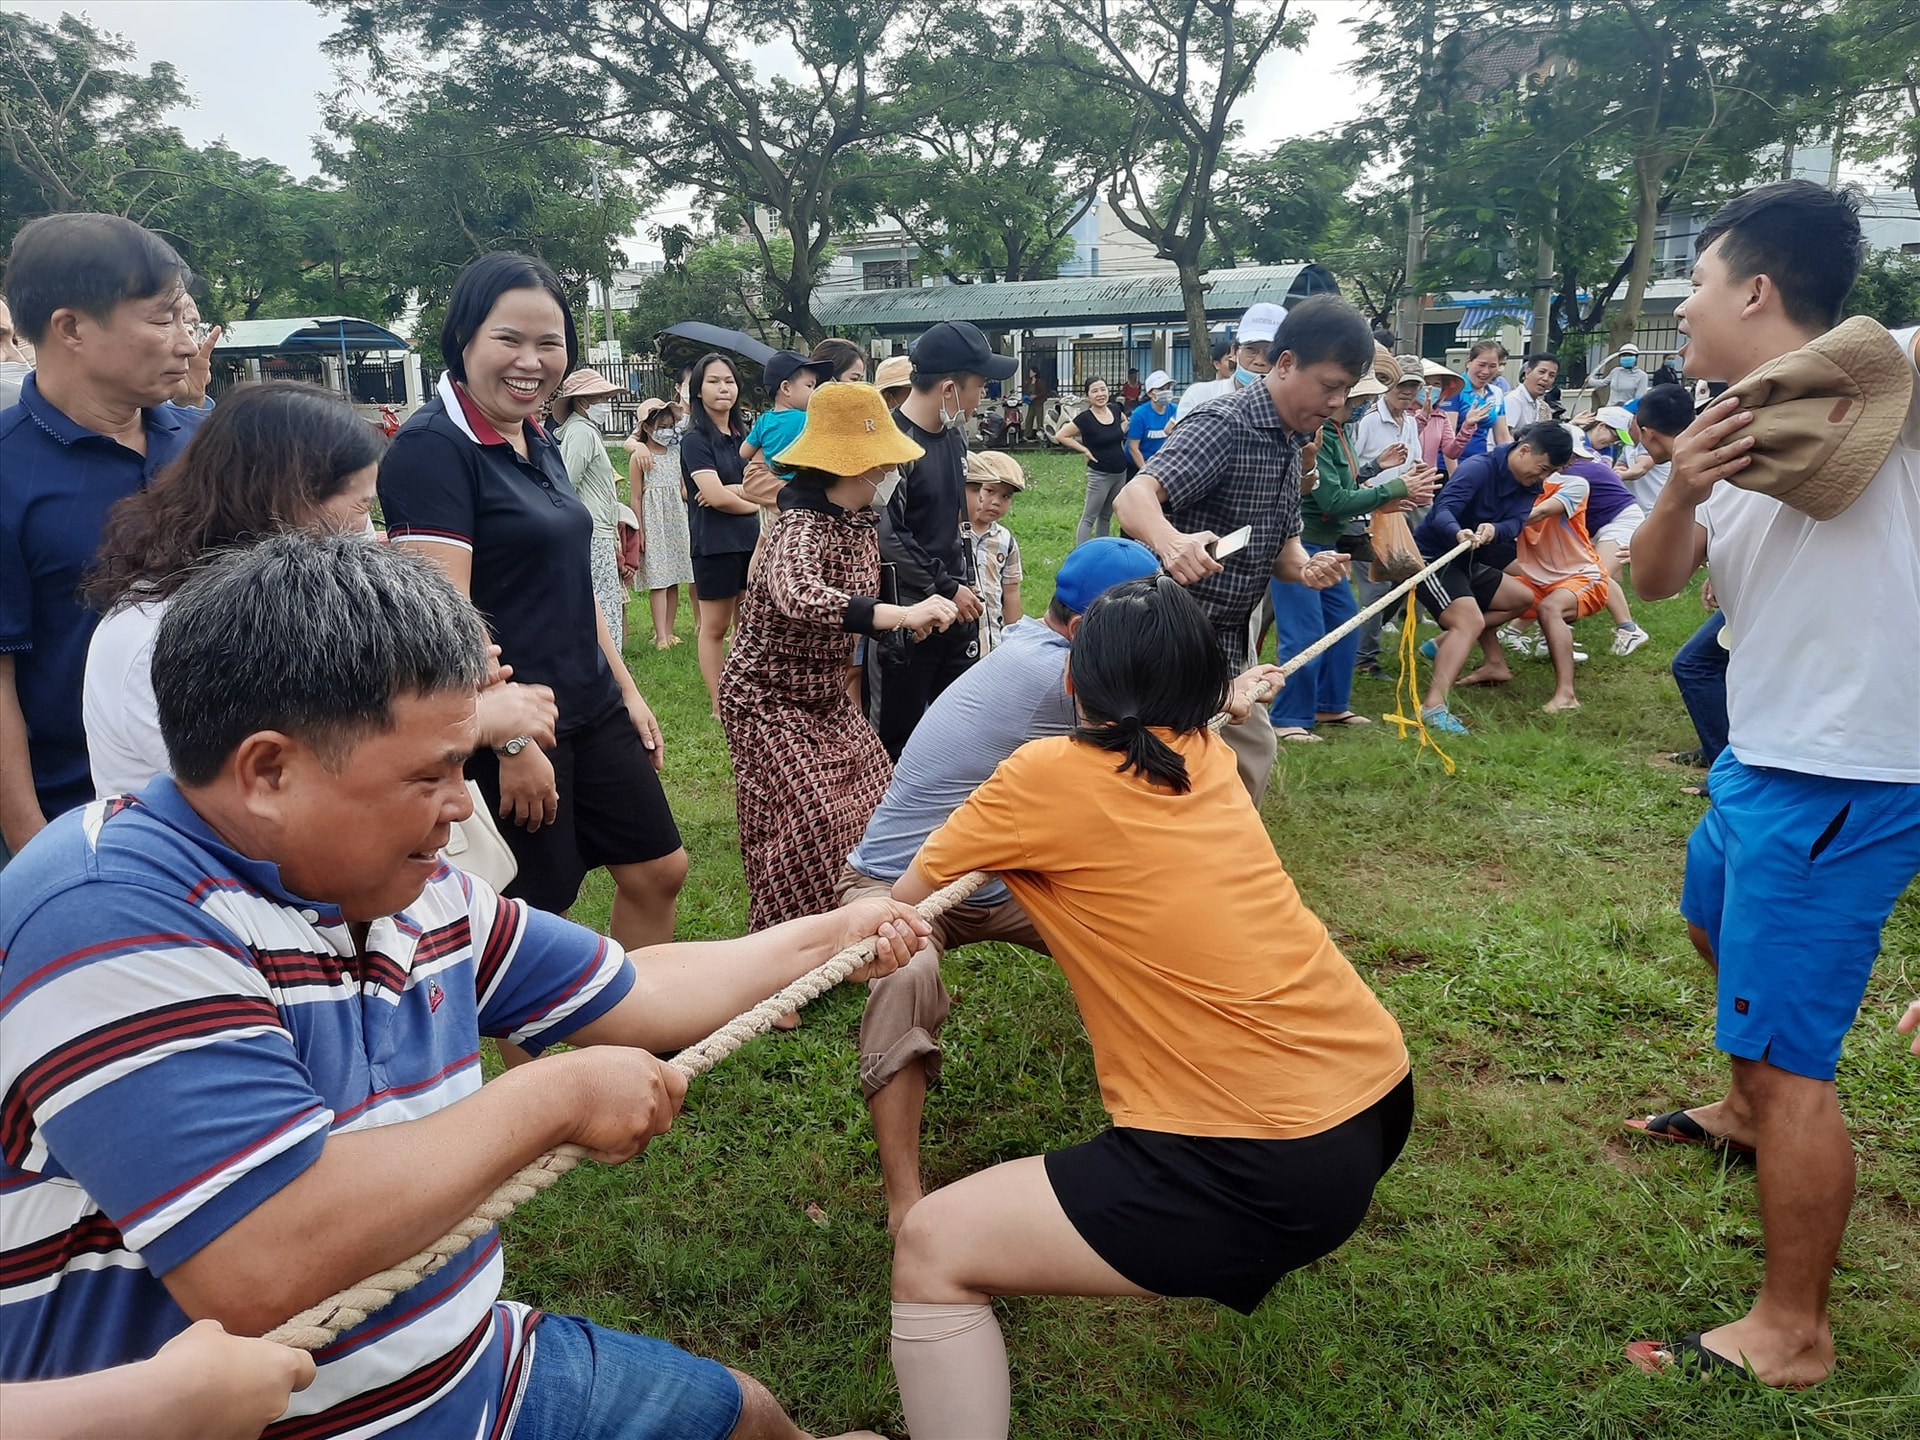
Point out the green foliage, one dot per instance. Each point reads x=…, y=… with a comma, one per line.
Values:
x=437, y=180
x=989, y=182
x=717, y=280
x=1284, y=205
x=1517, y=917
x=1888, y=289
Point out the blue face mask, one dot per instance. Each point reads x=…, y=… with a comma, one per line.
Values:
x=1627, y=362
x=1243, y=376
x=1428, y=395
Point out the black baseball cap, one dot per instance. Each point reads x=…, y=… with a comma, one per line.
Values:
x=783, y=365
x=954, y=345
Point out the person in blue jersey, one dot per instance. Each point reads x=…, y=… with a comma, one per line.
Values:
x=240, y=1021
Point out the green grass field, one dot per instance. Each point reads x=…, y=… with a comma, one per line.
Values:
x=1519, y=919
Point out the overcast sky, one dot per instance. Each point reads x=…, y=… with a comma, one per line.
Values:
x=257, y=76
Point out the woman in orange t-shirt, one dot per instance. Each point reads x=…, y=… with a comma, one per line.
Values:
x=1258, y=1088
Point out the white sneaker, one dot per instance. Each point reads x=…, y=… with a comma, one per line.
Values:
x=1628, y=638
x=1516, y=640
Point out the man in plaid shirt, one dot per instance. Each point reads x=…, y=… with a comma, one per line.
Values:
x=1237, y=463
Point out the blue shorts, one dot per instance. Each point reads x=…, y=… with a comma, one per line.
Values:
x=588, y=1381
x=1792, y=877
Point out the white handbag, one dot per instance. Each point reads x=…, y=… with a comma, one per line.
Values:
x=475, y=846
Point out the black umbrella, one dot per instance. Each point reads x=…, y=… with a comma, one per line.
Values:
x=693, y=338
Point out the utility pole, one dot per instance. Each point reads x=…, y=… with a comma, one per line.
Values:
x=1541, y=335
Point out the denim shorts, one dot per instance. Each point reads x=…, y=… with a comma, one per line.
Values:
x=1792, y=877
x=606, y=1384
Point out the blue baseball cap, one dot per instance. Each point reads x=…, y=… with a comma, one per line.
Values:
x=1092, y=569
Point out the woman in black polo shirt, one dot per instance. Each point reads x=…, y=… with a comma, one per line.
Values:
x=476, y=485
x=722, y=524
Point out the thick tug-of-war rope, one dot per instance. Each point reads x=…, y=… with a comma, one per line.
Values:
x=320, y=1325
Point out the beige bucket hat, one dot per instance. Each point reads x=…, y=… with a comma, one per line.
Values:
x=1825, y=417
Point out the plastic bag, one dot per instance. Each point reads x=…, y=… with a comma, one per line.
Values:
x=1395, y=556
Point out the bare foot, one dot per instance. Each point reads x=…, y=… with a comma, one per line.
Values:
x=1778, y=1359
x=1559, y=703
x=1488, y=674
x=788, y=1022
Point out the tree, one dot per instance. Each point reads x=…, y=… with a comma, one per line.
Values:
x=1284, y=205
x=990, y=184
x=80, y=128
x=437, y=180
x=1879, y=44
x=1888, y=289
x=1181, y=70
x=718, y=279
x=673, y=87
x=1690, y=89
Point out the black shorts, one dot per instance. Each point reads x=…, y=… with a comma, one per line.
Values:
x=612, y=812
x=1464, y=578
x=721, y=577
x=1221, y=1218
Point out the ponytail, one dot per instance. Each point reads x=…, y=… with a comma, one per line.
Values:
x=1144, y=659
x=1143, y=752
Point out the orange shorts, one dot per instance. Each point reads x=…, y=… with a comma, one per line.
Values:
x=1590, y=595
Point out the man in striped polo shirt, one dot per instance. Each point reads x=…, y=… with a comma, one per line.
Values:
x=240, y=1017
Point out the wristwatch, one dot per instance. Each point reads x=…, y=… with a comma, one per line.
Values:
x=514, y=746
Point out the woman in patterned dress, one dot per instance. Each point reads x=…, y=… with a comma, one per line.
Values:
x=808, y=769
x=653, y=479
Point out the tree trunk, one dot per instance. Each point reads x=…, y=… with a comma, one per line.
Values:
x=1540, y=333
x=1648, y=171
x=1193, y=295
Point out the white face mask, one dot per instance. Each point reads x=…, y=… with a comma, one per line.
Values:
x=954, y=420
x=600, y=414
x=883, y=492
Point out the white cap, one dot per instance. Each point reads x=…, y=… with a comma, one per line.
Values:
x=1629, y=349
x=1260, y=324
x=1616, y=417
x=1581, y=448
x=1158, y=380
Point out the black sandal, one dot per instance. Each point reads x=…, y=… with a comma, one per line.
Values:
x=1679, y=1126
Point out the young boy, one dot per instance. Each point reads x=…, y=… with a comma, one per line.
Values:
x=993, y=479
x=791, y=380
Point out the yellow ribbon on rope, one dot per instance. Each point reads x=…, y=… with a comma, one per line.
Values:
x=1406, y=692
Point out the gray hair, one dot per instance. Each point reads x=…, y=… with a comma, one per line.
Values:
x=311, y=635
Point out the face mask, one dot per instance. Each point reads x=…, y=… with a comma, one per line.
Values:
x=953, y=420
x=1428, y=395
x=1627, y=362
x=1244, y=376
x=1160, y=398
x=600, y=414
x=883, y=492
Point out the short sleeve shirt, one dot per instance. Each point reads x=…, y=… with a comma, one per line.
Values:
x=1147, y=427
x=1215, y=1006
x=773, y=432
x=449, y=478
x=710, y=531
x=1233, y=463
x=179, y=1037
x=58, y=480
x=1467, y=400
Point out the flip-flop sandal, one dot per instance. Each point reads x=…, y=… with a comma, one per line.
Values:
x=1295, y=735
x=1689, y=1355
x=1350, y=718
x=1678, y=1125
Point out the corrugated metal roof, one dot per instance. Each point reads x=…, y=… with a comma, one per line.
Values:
x=309, y=332
x=1093, y=300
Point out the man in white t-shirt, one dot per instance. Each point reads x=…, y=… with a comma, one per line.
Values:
x=1257, y=329
x=1814, y=830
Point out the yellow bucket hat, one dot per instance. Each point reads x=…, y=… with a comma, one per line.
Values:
x=849, y=431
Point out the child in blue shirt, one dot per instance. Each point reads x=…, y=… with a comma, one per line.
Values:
x=791, y=380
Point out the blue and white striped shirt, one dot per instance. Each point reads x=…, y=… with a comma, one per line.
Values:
x=179, y=1036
